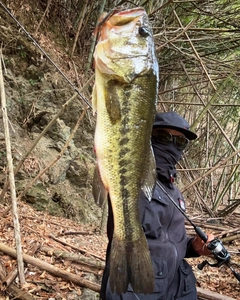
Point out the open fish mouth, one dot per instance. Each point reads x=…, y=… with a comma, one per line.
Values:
x=120, y=18
x=125, y=44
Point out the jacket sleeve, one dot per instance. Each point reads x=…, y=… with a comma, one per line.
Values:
x=190, y=251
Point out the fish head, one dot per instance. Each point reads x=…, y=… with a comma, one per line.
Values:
x=125, y=46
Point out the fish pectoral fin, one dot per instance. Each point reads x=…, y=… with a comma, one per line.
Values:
x=149, y=180
x=112, y=101
x=130, y=263
x=94, y=99
x=99, y=192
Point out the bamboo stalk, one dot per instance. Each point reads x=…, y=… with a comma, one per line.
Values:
x=197, y=104
x=74, y=247
x=211, y=170
x=206, y=109
x=73, y=257
x=209, y=29
x=91, y=51
x=52, y=269
x=176, y=37
x=225, y=188
x=194, y=50
x=45, y=12
x=12, y=289
x=79, y=28
x=17, y=231
x=209, y=295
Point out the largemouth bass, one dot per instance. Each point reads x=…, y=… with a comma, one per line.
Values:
x=124, y=96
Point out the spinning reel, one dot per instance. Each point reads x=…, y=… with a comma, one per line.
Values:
x=220, y=254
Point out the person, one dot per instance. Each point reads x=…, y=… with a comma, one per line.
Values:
x=164, y=224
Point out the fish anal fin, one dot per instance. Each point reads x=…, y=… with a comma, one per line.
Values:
x=99, y=192
x=94, y=99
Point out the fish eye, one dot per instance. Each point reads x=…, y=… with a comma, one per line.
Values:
x=143, y=31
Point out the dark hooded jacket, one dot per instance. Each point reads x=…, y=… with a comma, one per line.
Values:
x=165, y=231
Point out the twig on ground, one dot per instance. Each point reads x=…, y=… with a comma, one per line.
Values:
x=73, y=257
x=43, y=16
x=17, y=230
x=73, y=247
x=52, y=269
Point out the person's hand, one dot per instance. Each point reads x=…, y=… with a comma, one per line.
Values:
x=200, y=246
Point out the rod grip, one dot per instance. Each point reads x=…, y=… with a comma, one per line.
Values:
x=201, y=233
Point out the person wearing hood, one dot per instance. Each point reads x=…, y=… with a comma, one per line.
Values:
x=162, y=222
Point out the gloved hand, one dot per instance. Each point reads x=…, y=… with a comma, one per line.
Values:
x=200, y=246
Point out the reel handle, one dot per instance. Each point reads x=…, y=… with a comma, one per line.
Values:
x=202, y=264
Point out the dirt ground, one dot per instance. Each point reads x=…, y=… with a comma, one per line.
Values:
x=47, y=237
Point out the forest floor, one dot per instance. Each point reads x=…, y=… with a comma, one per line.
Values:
x=65, y=245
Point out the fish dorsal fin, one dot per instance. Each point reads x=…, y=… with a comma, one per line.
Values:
x=99, y=192
x=149, y=180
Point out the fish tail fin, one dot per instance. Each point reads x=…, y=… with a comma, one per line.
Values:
x=131, y=263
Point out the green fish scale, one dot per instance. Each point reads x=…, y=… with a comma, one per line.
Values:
x=125, y=149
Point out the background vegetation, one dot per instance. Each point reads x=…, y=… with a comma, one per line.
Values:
x=198, y=49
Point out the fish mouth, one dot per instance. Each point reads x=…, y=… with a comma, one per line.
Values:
x=124, y=17
x=117, y=18
x=124, y=43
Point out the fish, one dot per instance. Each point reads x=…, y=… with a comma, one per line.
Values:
x=124, y=98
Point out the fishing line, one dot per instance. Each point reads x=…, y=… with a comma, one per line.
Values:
x=136, y=296
x=103, y=21
x=46, y=55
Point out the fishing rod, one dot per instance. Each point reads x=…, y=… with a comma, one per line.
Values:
x=46, y=55
x=217, y=248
